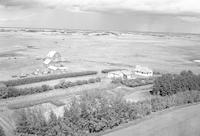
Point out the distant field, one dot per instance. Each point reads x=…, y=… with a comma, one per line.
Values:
x=19, y=51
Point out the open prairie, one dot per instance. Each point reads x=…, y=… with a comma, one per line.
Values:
x=22, y=52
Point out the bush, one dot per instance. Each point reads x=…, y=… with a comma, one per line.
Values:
x=2, y=133
x=96, y=111
x=8, y=92
x=46, y=78
x=67, y=84
x=133, y=82
x=169, y=84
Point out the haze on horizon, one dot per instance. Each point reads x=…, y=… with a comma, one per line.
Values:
x=131, y=15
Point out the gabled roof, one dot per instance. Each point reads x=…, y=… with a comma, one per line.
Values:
x=143, y=69
x=47, y=61
x=51, y=54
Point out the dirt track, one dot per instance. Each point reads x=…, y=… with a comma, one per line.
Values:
x=180, y=122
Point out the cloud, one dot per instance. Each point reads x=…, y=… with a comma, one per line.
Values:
x=161, y=6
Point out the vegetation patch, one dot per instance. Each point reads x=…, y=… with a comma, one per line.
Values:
x=2, y=133
x=97, y=111
x=169, y=84
x=110, y=70
x=46, y=78
x=66, y=84
x=8, y=92
x=134, y=82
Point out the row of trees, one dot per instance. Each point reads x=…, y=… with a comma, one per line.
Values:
x=94, y=112
x=169, y=84
x=46, y=78
x=7, y=92
x=66, y=84
x=2, y=133
x=134, y=82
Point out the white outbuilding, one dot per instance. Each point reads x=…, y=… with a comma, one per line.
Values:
x=52, y=57
x=128, y=74
x=115, y=75
x=143, y=71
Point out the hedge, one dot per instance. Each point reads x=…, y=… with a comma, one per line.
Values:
x=134, y=82
x=97, y=111
x=46, y=78
x=7, y=92
x=110, y=70
x=67, y=84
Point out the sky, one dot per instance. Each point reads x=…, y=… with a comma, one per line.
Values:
x=123, y=15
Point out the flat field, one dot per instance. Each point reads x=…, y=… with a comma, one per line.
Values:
x=22, y=52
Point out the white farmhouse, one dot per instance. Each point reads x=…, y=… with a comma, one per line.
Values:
x=128, y=74
x=51, y=58
x=115, y=74
x=123, y=74
x=143, y=71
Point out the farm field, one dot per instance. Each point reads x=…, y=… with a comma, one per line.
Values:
x=22, y=52
x=179, y=122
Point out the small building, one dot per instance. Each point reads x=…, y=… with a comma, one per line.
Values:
x=52, y=68
x=52, y=57
x=47, y=61
x=128, y=74
x=115, y=75
x=143, y=71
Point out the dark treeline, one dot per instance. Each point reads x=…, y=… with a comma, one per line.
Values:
x=30, y=80
x=169, y=84
x=2, y=133
x=7, y=92
x=94, y=112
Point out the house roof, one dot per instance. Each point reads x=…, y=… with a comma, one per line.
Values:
x=52, y=67
x=143, y=69
x=51, y=54
x=47, y=61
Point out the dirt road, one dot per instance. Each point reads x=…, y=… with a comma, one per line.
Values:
x=180, y=122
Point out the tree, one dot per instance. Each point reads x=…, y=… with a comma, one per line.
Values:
x=2, y=133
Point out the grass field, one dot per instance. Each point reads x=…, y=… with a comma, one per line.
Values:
x=22, y=52
x=171, y=53
x=179, y=122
